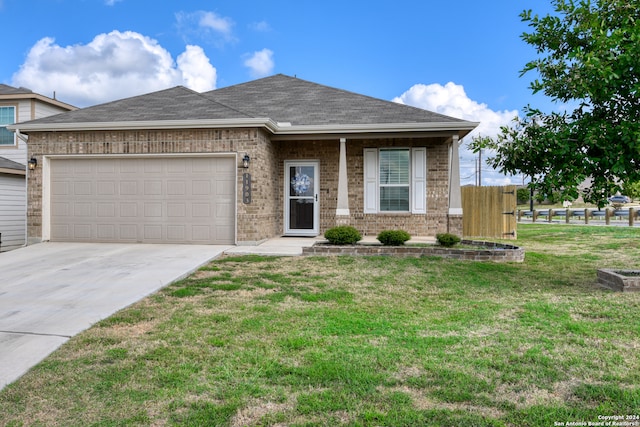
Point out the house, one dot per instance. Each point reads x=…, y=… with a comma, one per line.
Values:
x=241, y=164
x=17, y=105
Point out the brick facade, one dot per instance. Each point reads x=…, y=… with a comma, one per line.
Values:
x=263, y=218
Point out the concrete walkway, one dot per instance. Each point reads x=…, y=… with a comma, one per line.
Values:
x=278, y=246
x=52, y=291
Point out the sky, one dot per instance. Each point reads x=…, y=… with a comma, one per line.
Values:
x=460, y=57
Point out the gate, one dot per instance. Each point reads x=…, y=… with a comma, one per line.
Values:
x=489, y=212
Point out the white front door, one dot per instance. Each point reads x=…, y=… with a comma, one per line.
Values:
x=301, y=210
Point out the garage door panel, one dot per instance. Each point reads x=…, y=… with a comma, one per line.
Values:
x=155, y=200
x=60, y=188
x=106, y=231
x=153, y=188
x=152, y=233
x=128, y=232
x=106, y=210
x=82, y=188
x=81, y=209
x=106, y=188
x=82, y=232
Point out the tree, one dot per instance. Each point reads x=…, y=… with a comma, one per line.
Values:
x=631, y=189
x=589, y=58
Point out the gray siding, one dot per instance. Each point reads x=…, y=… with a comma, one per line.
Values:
x=13, y=211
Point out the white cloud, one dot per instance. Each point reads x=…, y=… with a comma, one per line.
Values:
x=206, y=26
x=216, y=23
x=197, y=72
x=112, y=66
x=452, y=100
x=261, y=27
x=111, y=2
x=260, y=63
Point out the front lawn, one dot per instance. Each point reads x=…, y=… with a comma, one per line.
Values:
x=360, y=341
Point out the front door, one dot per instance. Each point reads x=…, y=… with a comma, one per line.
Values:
x=301, y=211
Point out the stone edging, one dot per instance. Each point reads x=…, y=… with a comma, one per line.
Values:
x=620, y=280
x=497, y=252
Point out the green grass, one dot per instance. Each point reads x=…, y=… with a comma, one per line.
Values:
x=360, y=341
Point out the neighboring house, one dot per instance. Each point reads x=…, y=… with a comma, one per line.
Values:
x=17, y=105
x=167, y=167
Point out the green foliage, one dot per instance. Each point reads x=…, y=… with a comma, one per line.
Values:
x=632, y=189
x=447, y=239
x=342, y=235
x=393, y=237
x=523, y=195
x=589, y=57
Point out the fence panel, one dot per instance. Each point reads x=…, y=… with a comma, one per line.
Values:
x=489, y=212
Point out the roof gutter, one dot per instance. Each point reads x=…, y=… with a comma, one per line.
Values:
x=13, y=171
x=23, y=137
x=147, y=124
x=279, y=129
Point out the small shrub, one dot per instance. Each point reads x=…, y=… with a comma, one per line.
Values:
x=342, y=235
x=447, y=239
x=393, y=237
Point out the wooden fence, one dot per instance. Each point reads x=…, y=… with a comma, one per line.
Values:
x=489, y=212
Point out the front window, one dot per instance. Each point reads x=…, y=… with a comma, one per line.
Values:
x=7, y=117
x=394, y=180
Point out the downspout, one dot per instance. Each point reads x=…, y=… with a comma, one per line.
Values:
x=25, y=138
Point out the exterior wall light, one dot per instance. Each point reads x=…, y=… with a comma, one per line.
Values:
x=33, y=162
x=245, y=161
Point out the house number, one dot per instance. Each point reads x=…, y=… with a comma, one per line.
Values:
x=246, y=188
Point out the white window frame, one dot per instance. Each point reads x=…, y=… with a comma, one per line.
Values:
x=4, y=125
x=417, y=181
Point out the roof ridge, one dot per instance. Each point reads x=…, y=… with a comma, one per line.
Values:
x=336, y=89
x=208, y=98
x=373, y=97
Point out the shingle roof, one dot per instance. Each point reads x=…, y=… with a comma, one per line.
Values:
x=178, y=103
x=10, y=90
x=10, y=164
x=289, y=99
x=278, y=100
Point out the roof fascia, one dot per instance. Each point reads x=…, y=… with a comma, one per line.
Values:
x=13, y=171
x=142, y=125
x=372, y=130
x=41, y=98
x=279, y=130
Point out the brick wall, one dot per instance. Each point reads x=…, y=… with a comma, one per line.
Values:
x=263, y=217
x=436, y=220
x=257, y=220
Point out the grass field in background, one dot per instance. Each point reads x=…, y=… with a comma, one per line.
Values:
x=370, y=341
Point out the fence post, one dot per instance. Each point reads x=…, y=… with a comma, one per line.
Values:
x=607, y=216
x=550, y=213
x=534, y=215
x=586, y=215
x=632, y=213
x=567, y=215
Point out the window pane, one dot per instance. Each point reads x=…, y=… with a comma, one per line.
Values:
x=394, y=167
x=7, y=117
x=6, y=137
x=394, y=199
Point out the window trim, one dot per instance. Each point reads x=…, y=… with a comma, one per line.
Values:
x=417, y=180
x=15, y=119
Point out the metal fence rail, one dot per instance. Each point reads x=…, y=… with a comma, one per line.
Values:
x=586, y=215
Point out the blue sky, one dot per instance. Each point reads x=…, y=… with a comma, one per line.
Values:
x=460, y=57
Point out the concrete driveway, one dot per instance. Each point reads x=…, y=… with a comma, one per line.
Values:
x=49, y=292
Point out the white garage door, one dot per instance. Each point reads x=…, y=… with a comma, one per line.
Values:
x=146, y=200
